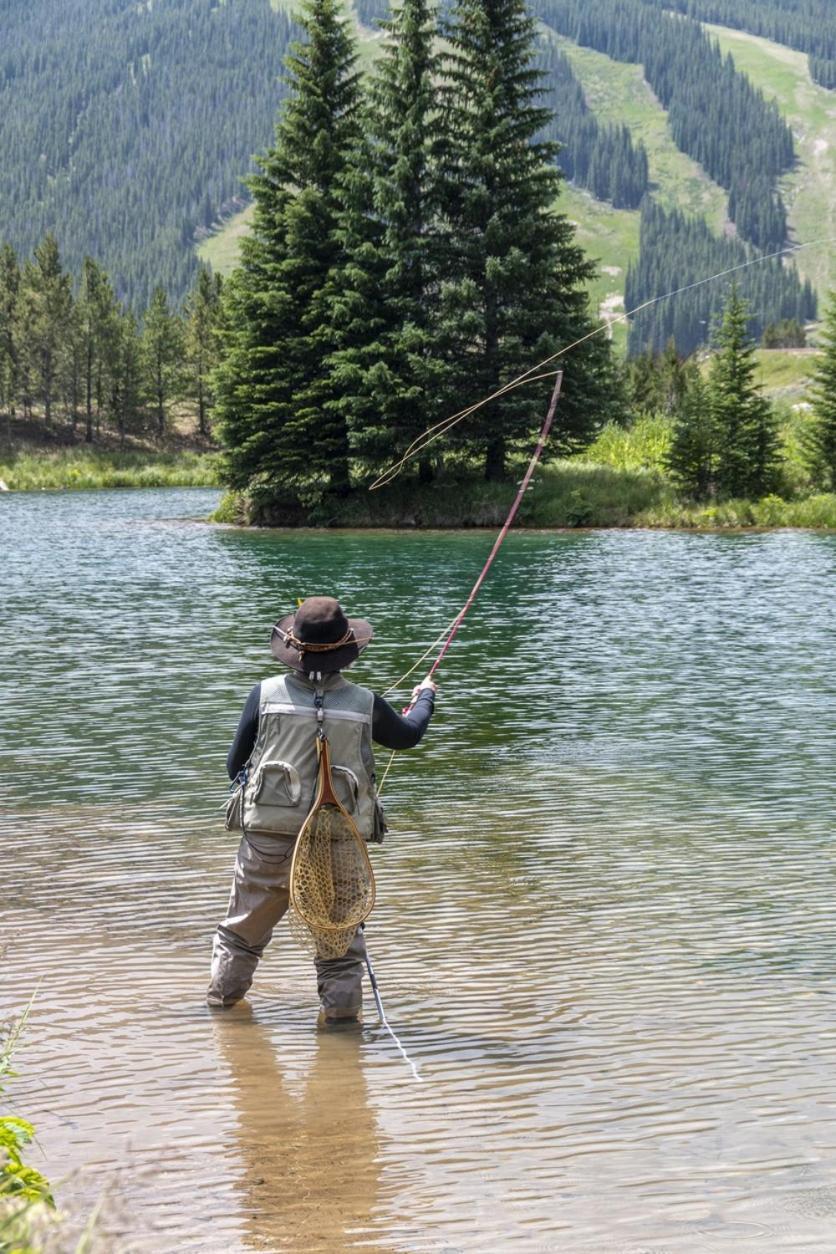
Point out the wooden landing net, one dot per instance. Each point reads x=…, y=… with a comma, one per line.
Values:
x=332, y=886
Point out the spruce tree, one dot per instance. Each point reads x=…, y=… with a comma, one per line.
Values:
x=823, y=399
x=273, y=390
x=389, y=370
x=692, y=455
x=514, y=276
x=745, y=425
x=201, y=342
x=162, y=344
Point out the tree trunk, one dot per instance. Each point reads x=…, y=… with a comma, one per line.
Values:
x=88, y=398
x=340, y=477
x=495, y=459
x=201, y=409
x=426, y=471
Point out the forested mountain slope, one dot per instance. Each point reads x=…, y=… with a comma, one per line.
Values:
x=125, y=127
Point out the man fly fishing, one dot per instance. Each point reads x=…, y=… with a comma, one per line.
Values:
x=304, y=735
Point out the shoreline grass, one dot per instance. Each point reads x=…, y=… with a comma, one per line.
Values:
x=67, y=469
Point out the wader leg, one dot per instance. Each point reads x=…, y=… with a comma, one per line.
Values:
x=259, y=898
x=340, y=981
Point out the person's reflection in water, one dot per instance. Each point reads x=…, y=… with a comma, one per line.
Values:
x=309, y=1161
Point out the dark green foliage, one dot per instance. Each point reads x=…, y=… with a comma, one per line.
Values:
x=716, y=115
x=514, y=276
x=80, y=356
x=657, y=383
x=162, y=350
x=273, y=389
x=804, y=24
x=46, y=301
x=389, y=373
x=693, y=454
x=745, y=427
x=823, y=398
x=98, y=329
x=9, y=346
x=201, y=342
x=601, y=158
x=788, y=333
x=125, y=128
x=675, y=251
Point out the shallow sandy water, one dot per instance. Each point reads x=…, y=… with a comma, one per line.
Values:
x=605, y=930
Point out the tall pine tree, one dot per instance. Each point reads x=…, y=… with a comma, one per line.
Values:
x=515, y=277
x=389, y=370
x=45, y=291
x=273, y=391
x=823, y=397
x=162, y=344
x=97, y=316
x=201, y=342
x=744, y=422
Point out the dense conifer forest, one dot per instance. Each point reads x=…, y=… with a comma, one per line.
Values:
x=675, y=251
x=804, y=24
x=716, y=116
x=603, y=159
x=126, y=128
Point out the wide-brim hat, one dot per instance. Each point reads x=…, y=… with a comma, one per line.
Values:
x=319, y=636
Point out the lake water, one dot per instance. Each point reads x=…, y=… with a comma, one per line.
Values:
x=605, y=929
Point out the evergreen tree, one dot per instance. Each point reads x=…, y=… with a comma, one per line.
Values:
x=127, y=375
x=693, y=452
x=45, y=290
x=273, y=388
x=201, y=342
x=823, y=398
x=389, y=370
x=514, y=288
x=9, y=348
x=162, y=341
x=98, y=315
x=744, y=423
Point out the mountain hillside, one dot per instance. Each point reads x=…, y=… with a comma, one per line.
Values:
x=618, y=93
x=125, y=127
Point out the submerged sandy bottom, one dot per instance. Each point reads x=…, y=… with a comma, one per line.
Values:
x=605, y=929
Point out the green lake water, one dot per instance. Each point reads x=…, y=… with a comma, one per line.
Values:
x=605, y=921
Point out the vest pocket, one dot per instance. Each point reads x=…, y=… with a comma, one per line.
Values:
x=346, y=786
x=276, y=784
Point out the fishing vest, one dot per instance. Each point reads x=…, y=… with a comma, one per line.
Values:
x=282, y=770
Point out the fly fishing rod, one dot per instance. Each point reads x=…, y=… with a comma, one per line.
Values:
x=448, y=636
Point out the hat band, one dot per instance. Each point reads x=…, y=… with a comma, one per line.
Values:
x=305, y=646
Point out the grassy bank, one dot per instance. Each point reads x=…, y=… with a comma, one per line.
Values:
x=78, y=467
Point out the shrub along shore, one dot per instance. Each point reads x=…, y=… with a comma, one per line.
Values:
x=566, y=494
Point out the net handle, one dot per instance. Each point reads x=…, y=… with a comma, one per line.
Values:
x=327, y=796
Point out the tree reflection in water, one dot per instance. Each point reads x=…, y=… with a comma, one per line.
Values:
x=309, y=1158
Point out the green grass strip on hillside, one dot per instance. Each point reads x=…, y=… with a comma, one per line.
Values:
x=85, y=469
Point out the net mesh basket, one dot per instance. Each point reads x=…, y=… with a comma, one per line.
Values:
x=332, y=886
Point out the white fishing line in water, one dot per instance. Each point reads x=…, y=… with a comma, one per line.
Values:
x=382, y=1014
